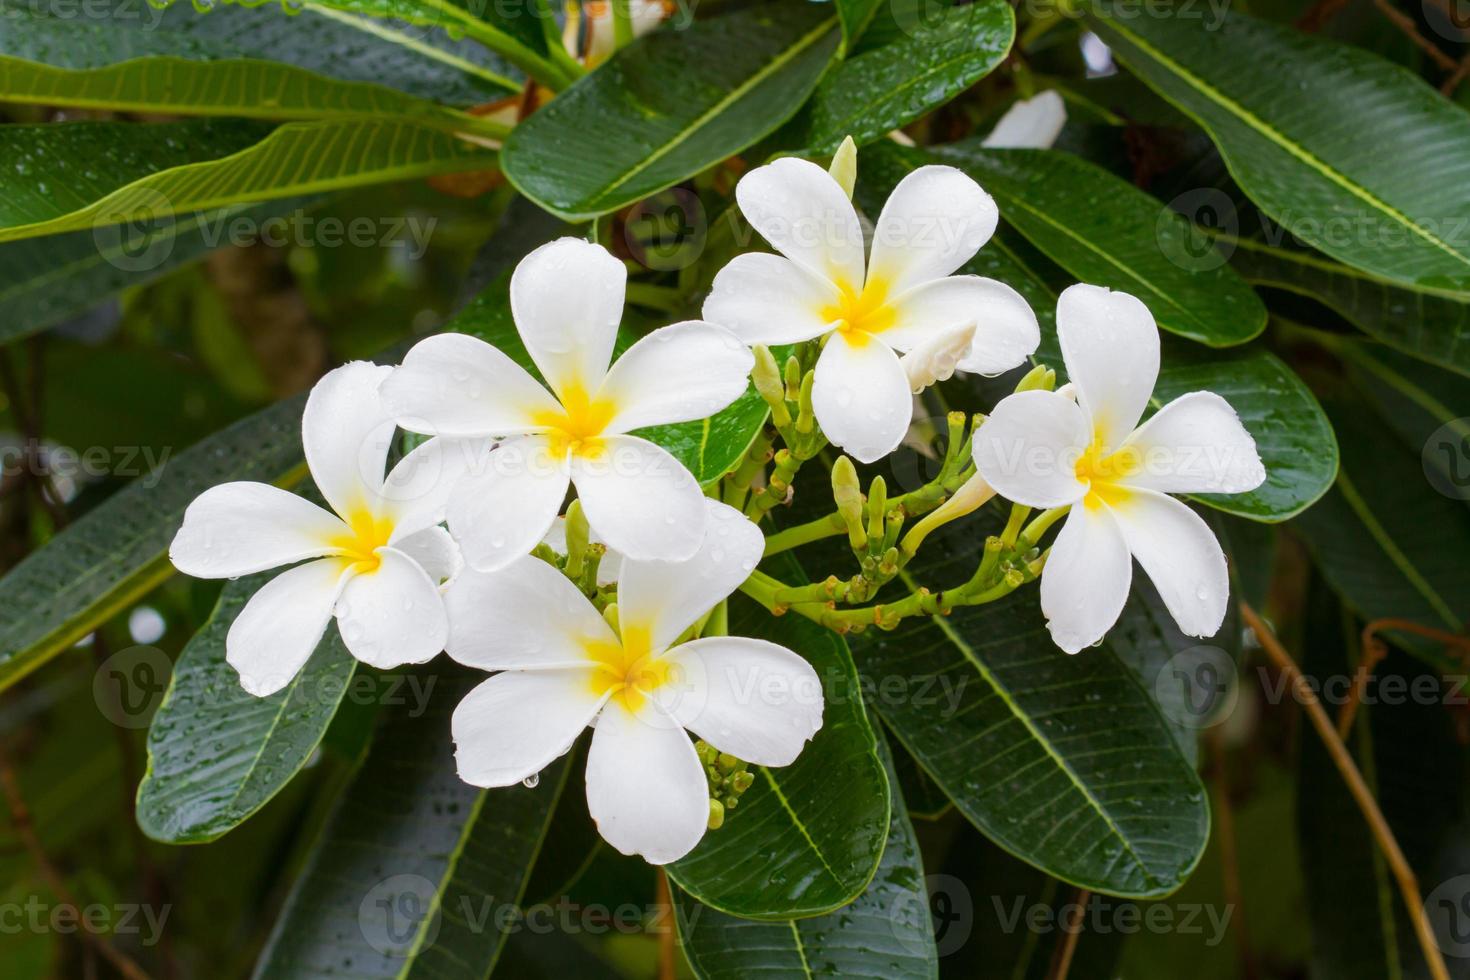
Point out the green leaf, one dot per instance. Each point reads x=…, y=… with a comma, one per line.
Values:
x=242, y=88
x=855, y=16
x=1426, y=407
x=628, y=129
x=883, y=89
x=343, y=46
x=1065, y=762
x=1387, y=542
x=217, y=754
x=1430, y=327
x=510, y=30
x=886, y=931
x=46, y=280
x=117, y=552
x=1319, y=134
x=1105, y=231
x=818, y=824
x=416, y=874
x=297, y=158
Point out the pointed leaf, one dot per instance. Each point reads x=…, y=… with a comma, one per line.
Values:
x=217, y=754
x=1431, y=327
x=296, y=158
x=882, y=89
x=1291, y=129
x=1064, y=761
x=349, y=47
x=886, y=932
x=624, y=131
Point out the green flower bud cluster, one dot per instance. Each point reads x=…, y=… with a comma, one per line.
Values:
x=728, y=778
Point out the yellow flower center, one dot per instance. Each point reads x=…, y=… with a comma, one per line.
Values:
x=628, y=668
x=361, y=543
x=1101, y=468
x=575, y=428
x=861, y=313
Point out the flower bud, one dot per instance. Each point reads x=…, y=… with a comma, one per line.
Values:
x=844, y=166
x=1039, y=378
x=767, y=379
x=716, y=815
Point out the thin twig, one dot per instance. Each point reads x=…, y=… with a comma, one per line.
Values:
x=1406, y=24
x=1061, y=960
x=25, y=829
x=1453, y=82
x=1342, y=758
x=1374, y=650
x=668, y=964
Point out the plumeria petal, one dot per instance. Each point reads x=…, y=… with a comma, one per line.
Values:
x=527, y=616
x=861, y=396
x=935, y=220
x=517, y=723
x=435, y=552
x=806, y=216
x=346, y=432
x=666, y=598
x=1179, y=553
x=236, y=529
x=567, y=300
x=1085, y=582
x=646, y=788
x=686, y=371
x=768, y=299
x=275, y=634
x=457, y=385
x=499, y=514
x=1006, y=332
x=641, y=500
x=1033, y=123
x=394, y=614
x=1028, y=449
x=756, y=700
x=1111, y=348
x=1195, y=444
x=416, y=492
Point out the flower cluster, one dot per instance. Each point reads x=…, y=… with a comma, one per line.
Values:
x=458, y=547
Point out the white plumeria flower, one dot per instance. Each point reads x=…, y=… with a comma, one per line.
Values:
x=564, y=668
x=1045, y=449
x=567, y=299
x=380, y=558
x=902, y=298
